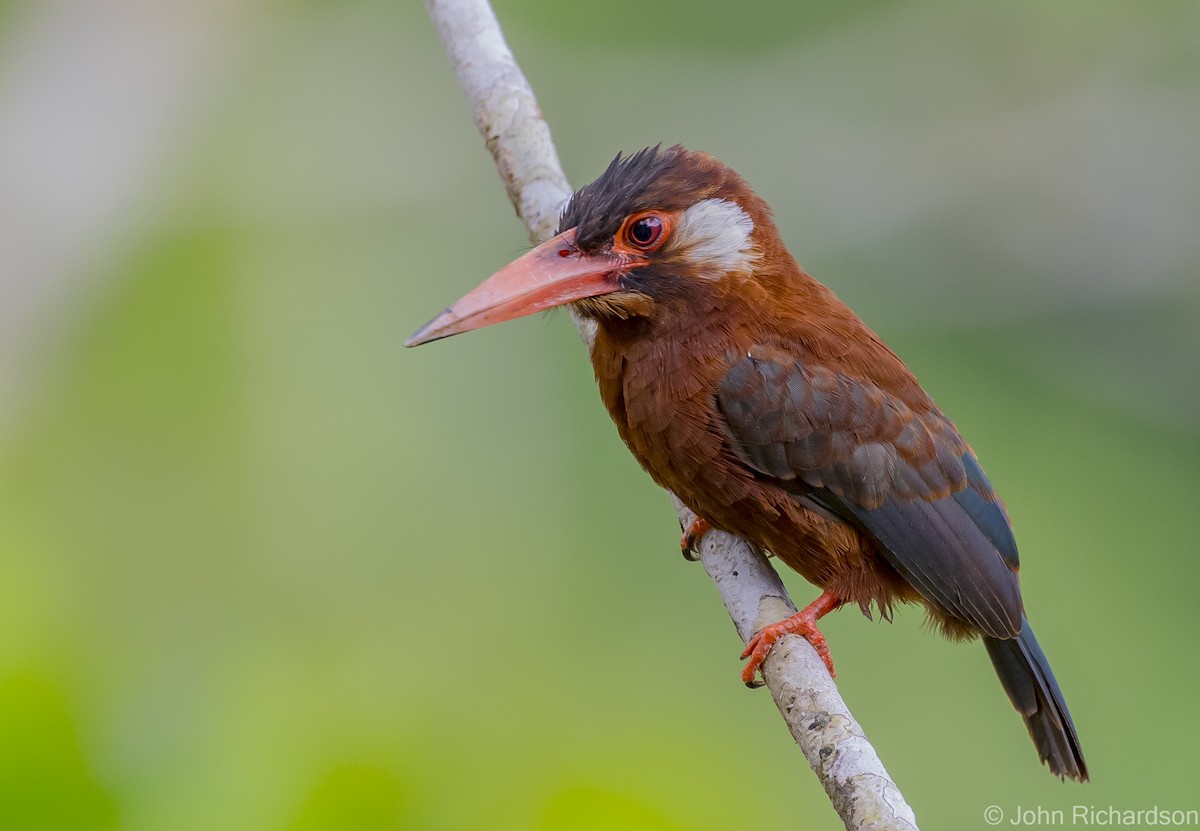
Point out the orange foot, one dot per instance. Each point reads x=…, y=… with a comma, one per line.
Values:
x=803, y=623
x=690, y=544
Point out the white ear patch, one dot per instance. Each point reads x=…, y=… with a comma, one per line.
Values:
x=715, y=235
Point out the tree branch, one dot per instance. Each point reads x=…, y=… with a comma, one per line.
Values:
x=508, y=117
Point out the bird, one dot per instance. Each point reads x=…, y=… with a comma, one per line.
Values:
x=771, y=410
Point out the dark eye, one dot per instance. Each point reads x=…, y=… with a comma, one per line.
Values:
x=645, y=232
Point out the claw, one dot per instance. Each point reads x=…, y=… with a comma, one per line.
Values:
x=689, y=545
x=803, y=623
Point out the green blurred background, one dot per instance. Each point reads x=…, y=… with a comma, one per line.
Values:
x=261, y=568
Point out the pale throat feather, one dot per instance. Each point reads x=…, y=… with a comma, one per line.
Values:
x=715, y=235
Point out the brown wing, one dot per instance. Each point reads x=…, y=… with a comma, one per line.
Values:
x=904, y=477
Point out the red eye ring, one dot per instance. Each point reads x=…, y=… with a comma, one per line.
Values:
x=645, y=231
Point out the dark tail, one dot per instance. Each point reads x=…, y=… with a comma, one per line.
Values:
x=1026, y=676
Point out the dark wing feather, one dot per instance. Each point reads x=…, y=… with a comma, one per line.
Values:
x=903, y=476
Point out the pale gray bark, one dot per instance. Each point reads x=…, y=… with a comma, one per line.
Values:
x=508, y=117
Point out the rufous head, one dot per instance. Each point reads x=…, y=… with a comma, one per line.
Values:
x=655, y=229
